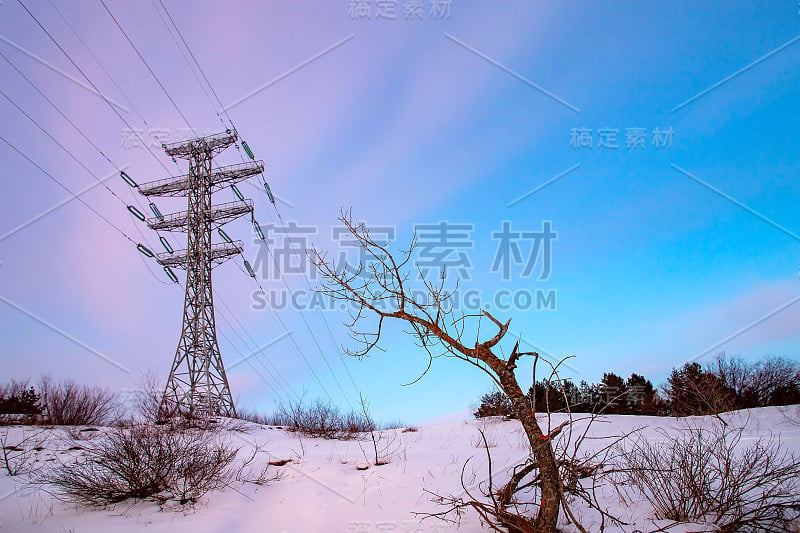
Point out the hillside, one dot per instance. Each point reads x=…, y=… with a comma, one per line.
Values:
x=322, y=489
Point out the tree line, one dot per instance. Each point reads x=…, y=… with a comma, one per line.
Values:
x=724, y=384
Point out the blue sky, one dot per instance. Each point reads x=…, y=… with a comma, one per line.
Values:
x=662, y=252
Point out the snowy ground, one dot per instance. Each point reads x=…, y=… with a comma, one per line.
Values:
x=322, y=489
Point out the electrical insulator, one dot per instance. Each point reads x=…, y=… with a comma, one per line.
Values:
x=127, y=179
x=145, y=250
x=237, y=192
x=258, y=230
x=225, y=236
x=135, y=212
x=248, y=150
x=165, y=244
x=249, y=269
x=269, y=192
x=156, y=212
x=170, y=274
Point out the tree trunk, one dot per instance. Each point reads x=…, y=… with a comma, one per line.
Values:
x=542, y=448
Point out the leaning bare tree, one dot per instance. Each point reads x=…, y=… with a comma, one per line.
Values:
x=379, y=290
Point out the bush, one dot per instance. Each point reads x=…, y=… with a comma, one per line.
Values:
x=256, y=417
x=146, y=462
x=21, y=456
x=146, y=398
x=494, y=404
x=69, y=404
x=323, y=420
x=711, y=475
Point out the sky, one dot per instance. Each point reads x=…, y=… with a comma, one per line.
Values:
x=642, y=158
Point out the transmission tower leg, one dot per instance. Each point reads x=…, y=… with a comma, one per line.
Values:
x=197, y=384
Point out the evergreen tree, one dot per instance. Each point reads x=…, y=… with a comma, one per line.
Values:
x=494, y=404
x=24, y=402
x=612, y=394
x=641, y=398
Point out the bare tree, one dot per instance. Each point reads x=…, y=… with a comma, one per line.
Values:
x=769, y=381
x=581, y=473
x=381, y=290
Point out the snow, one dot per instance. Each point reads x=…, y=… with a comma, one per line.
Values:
x=322, y=488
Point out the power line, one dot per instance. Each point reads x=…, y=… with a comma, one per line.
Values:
x=202, y=72
x=146, y=64
x=78, y=161
x=74, y=64
x=36, y=88
x=286, y=328
x=308, y=326
x=211, y=87
x=169, y=96
x=186, y=59
x=81, y=200
x=254, y=349
x=250, y=364
x=99, y=64
x=64, y=148
x=60, y=184
x=74, y=126
x=136, y=198
x=288, y=387
x=308, y=284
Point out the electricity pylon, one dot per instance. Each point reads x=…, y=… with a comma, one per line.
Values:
x=197, y=384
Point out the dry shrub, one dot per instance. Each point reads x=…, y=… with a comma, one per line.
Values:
x=323, y=420
x=711, y=475
x=256, y=417
x=147, y=396
x=145, y=462
x=384, y=443
x=19, y=456
x=69, y=404
x=394, y=424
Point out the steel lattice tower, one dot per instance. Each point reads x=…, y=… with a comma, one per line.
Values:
x=197, y=384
